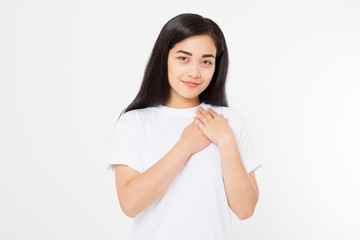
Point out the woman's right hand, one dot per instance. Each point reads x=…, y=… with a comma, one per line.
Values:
x=194, y=139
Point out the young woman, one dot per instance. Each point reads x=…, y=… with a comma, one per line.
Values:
x=181, y=157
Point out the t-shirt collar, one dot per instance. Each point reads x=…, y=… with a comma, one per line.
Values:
x=180, y=112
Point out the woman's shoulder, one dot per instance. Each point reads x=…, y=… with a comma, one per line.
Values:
x=135, y=115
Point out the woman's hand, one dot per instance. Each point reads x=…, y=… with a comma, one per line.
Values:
x=194, y=139
x=213, y=125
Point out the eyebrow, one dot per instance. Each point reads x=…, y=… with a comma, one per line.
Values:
x=204, y=56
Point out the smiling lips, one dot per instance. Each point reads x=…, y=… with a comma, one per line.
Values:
x=191, y=84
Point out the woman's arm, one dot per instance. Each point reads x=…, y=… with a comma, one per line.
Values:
x=144, y=189
x=241, y=191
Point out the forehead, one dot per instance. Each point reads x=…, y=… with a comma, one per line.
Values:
x=196, y=44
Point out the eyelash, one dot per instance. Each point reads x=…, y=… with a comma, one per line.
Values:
x=209, y=63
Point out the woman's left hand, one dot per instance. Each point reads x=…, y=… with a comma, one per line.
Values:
x=213, y=125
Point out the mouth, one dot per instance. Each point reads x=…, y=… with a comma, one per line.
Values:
x=191, y=84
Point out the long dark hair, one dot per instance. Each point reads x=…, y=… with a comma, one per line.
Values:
x=155, y=88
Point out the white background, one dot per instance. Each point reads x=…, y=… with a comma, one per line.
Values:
x=68, y=68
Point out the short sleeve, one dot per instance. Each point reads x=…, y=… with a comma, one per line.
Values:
x=245, y=145
x=126, y=144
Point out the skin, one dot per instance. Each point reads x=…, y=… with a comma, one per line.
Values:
x=209, y=126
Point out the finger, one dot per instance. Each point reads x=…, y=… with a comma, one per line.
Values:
x=204, y=112
x=213, y=113
x=203, y=115
x=198, y=122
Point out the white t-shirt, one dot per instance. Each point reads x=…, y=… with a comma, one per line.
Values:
x=194, y=207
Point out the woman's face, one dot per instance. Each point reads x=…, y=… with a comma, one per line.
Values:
x=191, y=60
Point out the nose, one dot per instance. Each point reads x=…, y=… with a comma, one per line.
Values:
x=193, y=71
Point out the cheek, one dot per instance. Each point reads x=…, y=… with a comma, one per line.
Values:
x=208, y=74
x=171, y=66
x=170, y=72
x=176, y=71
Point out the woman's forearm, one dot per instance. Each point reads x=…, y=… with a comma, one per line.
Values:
x=146, y=188
x=240, y=190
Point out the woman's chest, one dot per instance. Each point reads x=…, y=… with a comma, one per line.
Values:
x=161, y=137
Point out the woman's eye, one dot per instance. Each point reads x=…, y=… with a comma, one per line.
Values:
x=182, y=58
